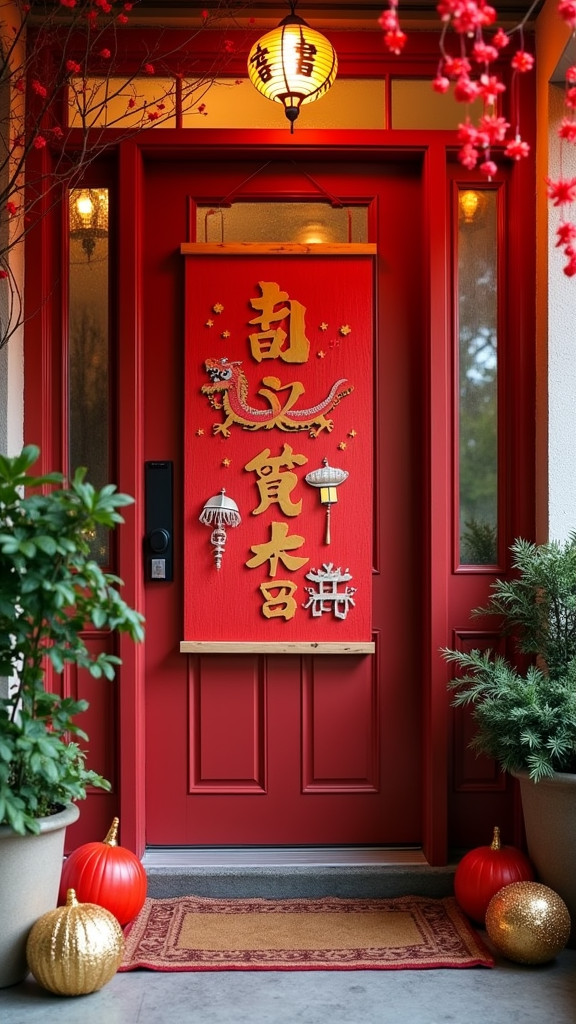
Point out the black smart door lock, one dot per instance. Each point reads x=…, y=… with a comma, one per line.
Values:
x=159, y=541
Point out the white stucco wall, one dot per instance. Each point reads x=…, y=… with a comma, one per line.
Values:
x=11, y=396
x=12, y=354
x=11, y=411
x=561, y=348
x=555, y=297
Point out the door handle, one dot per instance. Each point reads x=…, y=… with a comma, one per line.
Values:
x=159, y=516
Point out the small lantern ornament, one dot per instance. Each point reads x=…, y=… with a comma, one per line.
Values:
x=327, y=479
x=106, y=874
x=220, y=512
x=293, y=64
x=75, y=949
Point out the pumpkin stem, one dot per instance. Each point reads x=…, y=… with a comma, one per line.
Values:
x=71, y=900
x=495, y=844
x=112, y=837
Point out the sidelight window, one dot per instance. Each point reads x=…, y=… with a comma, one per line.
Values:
x=477, y=376
x=88, y=341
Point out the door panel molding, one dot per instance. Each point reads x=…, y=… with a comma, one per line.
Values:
x=232, y=761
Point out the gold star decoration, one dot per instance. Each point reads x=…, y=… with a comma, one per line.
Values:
x=345, y=329
x=342, y=446
x=323, y=326
x=209, y=323
x=217, y=307
x=321, y=354
x=226, y=463
x=200, y=432
x=225, y=334
x=351, y=433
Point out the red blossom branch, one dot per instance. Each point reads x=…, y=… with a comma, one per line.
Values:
x=473, y=77
x=394, y=37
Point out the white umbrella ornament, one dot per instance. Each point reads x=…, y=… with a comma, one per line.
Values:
x=220, y=512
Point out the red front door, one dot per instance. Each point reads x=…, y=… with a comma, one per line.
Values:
x=277, y=748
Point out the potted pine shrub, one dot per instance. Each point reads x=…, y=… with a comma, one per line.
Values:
x=51, y=590
x=526, y=720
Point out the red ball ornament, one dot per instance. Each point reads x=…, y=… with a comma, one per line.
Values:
x=484, y=871
x=106, y=874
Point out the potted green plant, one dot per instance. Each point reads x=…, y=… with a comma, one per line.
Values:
x=51, y=590
x=526, y=719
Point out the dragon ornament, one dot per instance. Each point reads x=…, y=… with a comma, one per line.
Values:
x=228, y=393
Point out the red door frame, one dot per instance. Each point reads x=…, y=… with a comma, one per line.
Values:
x=44, y=404
x=434, y=726
x=438, y=430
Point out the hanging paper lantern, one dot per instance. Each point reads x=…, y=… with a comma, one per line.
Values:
x=293, y=64
x=106, y=874
x=528, y=922
x=484, y=871
x=75, y=949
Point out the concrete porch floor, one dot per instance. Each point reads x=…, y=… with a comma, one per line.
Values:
x=506, y=994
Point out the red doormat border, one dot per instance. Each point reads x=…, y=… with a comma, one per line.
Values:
x=162, y=936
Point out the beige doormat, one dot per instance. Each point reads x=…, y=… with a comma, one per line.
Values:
x=193, y=933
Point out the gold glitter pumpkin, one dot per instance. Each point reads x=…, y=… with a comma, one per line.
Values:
x=75, y=949
x=528, y=922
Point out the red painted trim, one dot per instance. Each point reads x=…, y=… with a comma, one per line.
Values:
x=360, y=53
x=438, y=500
x=461, y=180
x=131, y=480
x=43, y=395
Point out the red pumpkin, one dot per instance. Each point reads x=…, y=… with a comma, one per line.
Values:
x=106, y=874
x=484, y=871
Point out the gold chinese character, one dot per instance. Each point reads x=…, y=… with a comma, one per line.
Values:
x=273, y=484
x=276, y=549
x=279, y=601
x=268, y=343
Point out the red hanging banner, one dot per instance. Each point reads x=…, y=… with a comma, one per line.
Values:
x=278, y=447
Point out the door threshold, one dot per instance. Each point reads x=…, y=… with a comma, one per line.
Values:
x=281, y=856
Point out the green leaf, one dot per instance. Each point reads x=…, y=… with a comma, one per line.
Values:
x=6, y=753
x=27, y=548
x=57, y=659
x=99, y=617
x=47, y=544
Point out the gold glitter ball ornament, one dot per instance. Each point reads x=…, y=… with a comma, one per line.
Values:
x=75, y=949
x=528, y=922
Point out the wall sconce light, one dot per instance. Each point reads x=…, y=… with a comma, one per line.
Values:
x=471, y=204
x=293, y=64
x=88, y=217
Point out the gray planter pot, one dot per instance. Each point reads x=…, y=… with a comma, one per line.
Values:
x=30, y=869
x=549, y=808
